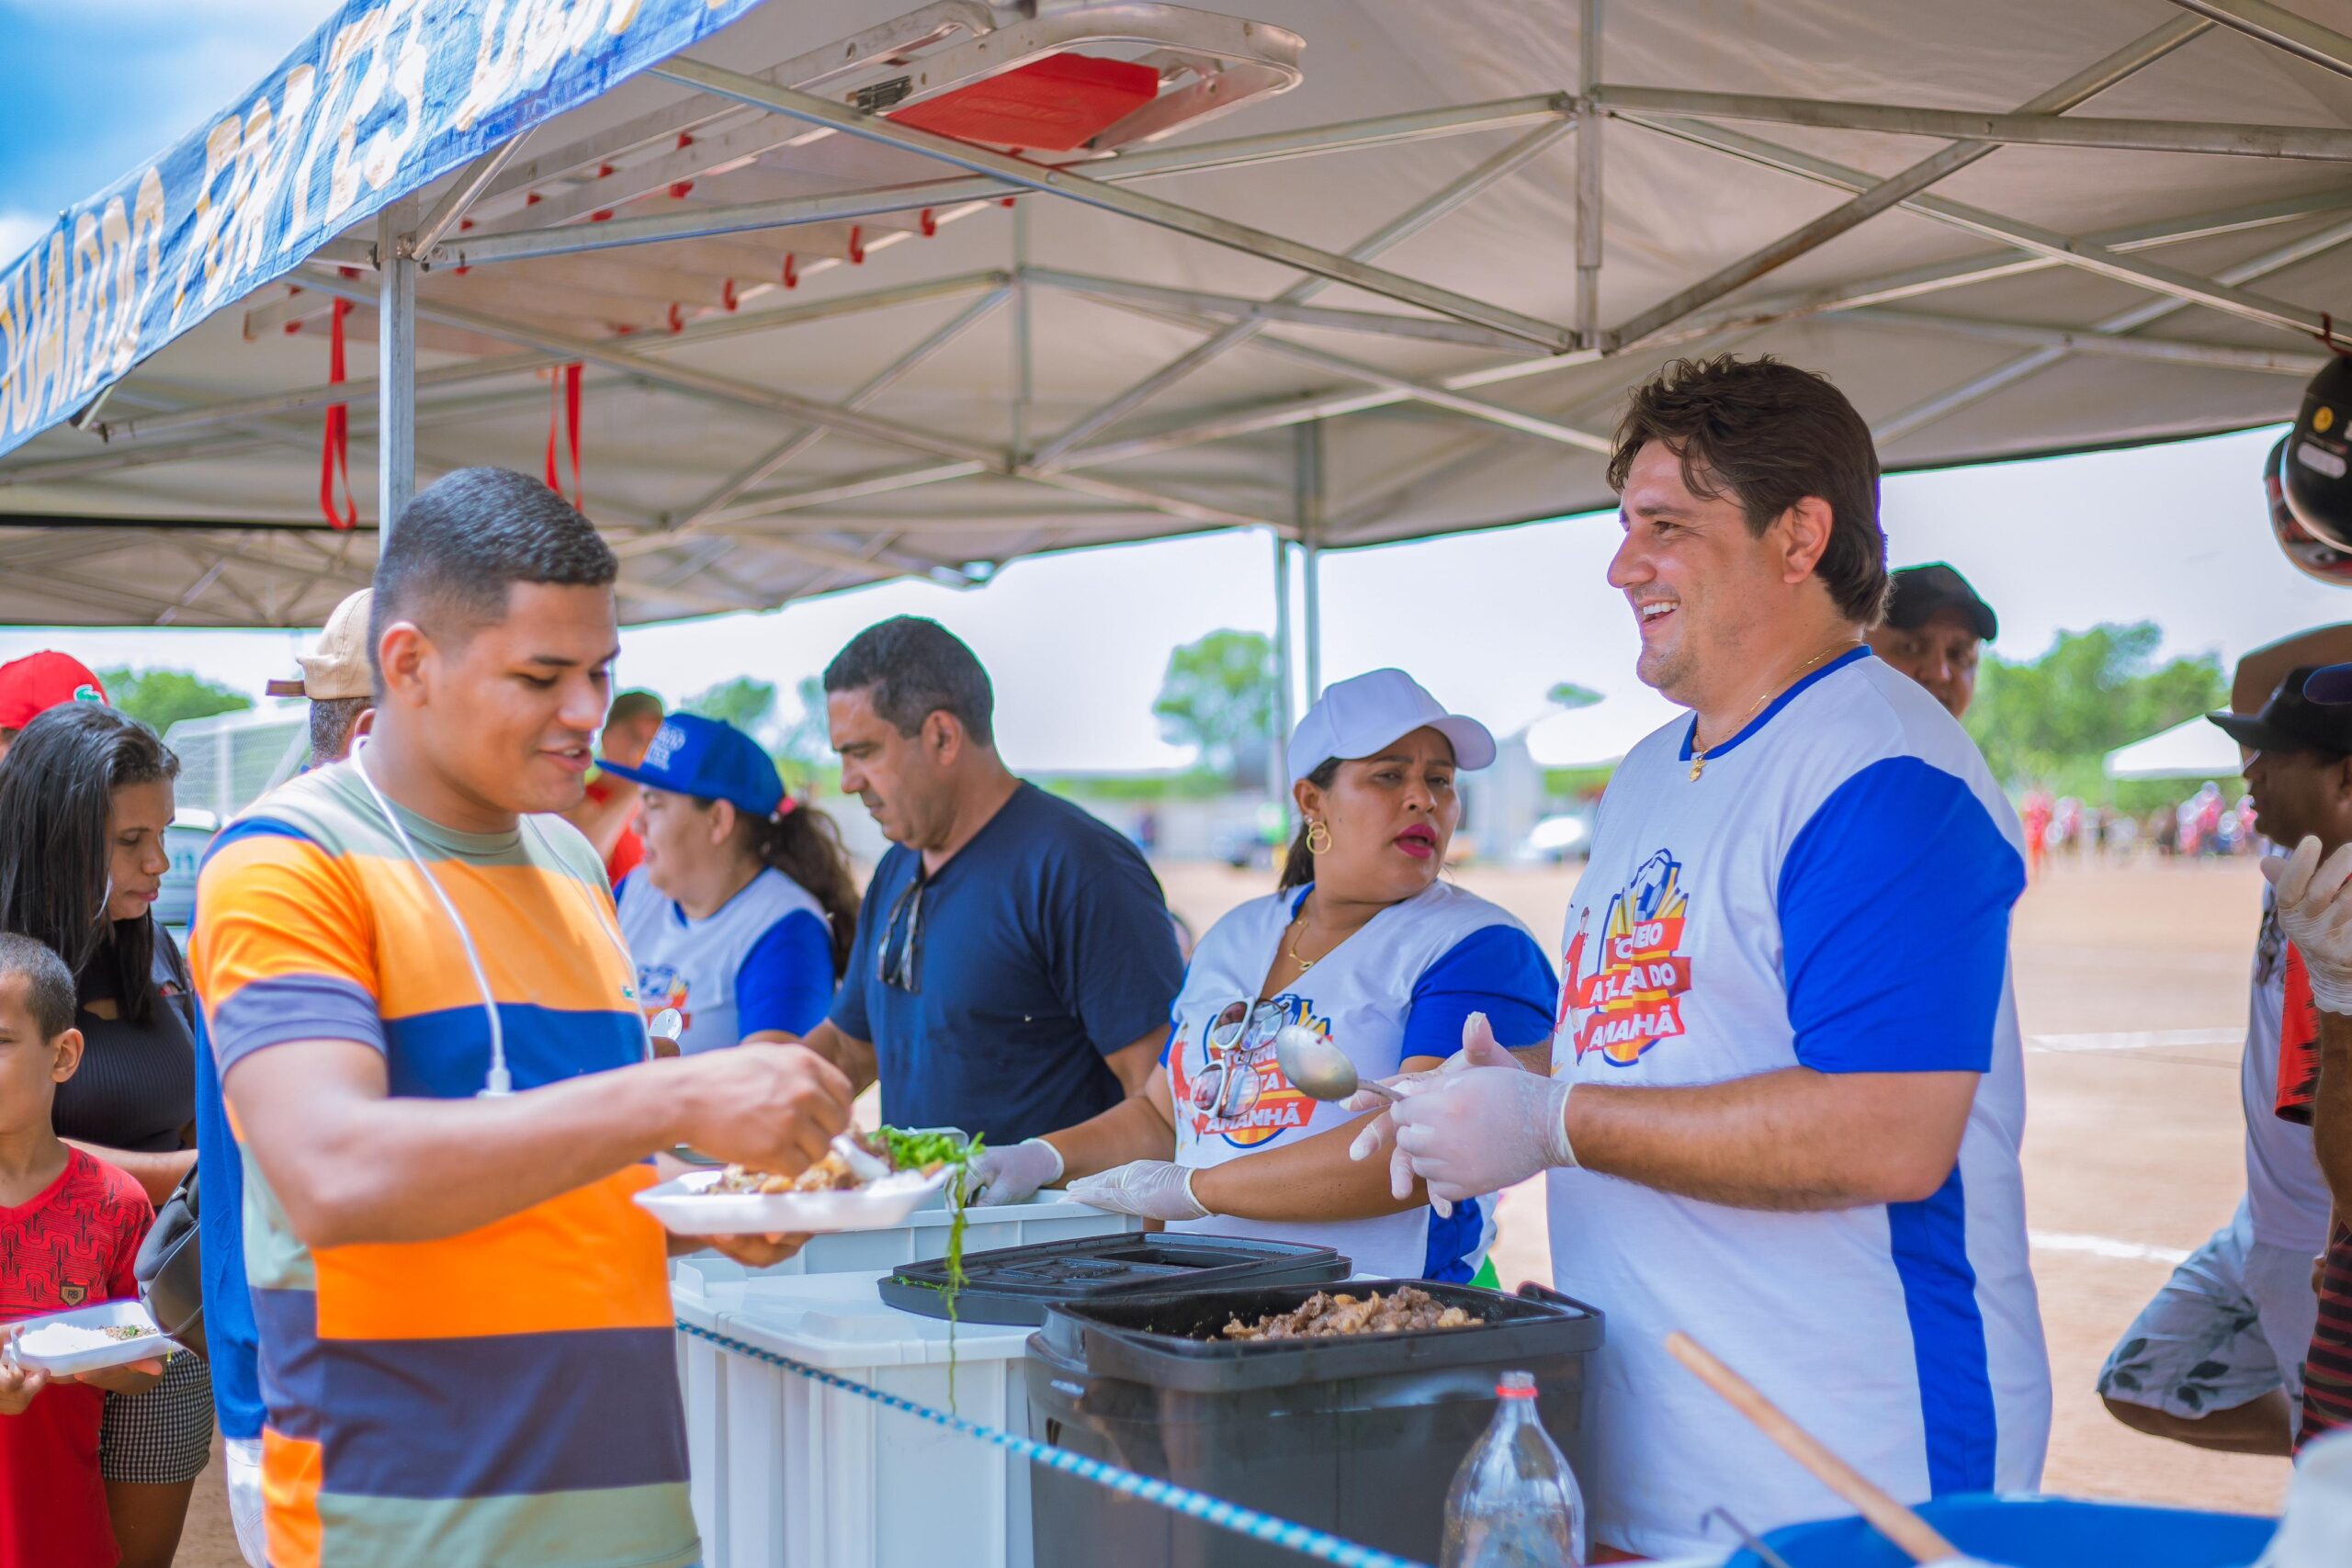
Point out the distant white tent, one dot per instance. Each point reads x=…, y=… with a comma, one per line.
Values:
x=1595, y=736
x=2192, y=750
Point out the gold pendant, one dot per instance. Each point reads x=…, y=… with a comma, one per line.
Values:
x=1697, y=765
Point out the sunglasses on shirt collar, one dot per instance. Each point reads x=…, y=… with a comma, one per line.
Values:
x=901, y=956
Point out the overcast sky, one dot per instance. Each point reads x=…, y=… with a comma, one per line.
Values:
x=1490, y=622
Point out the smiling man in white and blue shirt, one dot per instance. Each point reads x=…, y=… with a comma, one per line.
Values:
x=1787, y=1096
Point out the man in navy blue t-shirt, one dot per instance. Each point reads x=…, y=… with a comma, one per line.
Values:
x=1015, y=960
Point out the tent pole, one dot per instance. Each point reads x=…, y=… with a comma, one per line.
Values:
x=1024, y=362
x=1310, y=532
x=762, y=468
x=1589, y=212
x=1109, y=197
x=2277, y=25
x=395, y=369
x=683, y=379
x=2064, y=249
x=956, y=195
x=2024, y=128
x=1412, y=221
x=1909, y=283
x=1277, y=768
x=470, y=182
x=1938, y=165
x=2140, y=315
x=716, y=328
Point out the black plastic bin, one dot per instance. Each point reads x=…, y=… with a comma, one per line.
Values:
x=1358, y=1436
x=1016, y=1284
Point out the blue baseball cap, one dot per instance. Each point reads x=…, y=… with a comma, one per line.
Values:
x=711, y=760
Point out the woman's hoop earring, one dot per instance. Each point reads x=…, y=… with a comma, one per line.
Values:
x=1318, y=839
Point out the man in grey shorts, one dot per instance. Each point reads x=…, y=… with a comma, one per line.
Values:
x=2217, y=1358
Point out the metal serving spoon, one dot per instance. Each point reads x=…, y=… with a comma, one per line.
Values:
x=1318, y=1070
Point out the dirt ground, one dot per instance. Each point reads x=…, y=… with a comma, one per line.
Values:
x=2131, y=992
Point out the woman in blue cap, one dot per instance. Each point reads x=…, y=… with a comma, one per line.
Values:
x=1363, y=945
x=741, y=914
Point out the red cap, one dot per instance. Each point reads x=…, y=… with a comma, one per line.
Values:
x=39, y=682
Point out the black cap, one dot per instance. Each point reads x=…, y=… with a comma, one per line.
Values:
x=1921, y=591
x=2329, y=683
x=2291, y=721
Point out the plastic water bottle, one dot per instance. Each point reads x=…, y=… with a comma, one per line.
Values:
x=1514, y=1503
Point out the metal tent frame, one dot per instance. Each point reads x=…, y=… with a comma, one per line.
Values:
x=534, y=255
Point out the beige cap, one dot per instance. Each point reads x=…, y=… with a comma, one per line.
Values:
x=338, y=667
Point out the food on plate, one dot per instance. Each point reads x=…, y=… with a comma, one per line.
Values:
x=1324, y=1316
x=55, y=1341
x=855, y=1160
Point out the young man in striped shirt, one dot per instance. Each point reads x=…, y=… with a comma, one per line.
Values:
x=439, y=1083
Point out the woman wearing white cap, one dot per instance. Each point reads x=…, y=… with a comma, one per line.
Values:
x=1363, y=945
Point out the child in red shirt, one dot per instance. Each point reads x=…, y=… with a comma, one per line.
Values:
x=70, y=1228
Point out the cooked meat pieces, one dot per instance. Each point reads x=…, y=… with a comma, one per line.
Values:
x=1325, y=1316
x=830, y=1174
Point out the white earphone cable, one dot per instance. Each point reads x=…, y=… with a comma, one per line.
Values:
x=499, y=1081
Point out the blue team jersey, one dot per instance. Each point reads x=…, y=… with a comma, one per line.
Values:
x=1833, y=893
x=760, y=963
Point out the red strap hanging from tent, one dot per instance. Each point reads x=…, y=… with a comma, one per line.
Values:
x=335, y=454
x=563, y=412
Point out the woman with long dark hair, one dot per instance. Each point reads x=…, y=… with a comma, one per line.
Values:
x=86, y=797
x=743, y=912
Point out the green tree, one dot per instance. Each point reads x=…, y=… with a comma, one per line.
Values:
x=748, y=704
x=1568, y=694
x=2052, y=721
x=1219, y=695
x=806, y=744
x=161, y=698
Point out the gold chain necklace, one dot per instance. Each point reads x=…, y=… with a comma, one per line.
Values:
x=1299, y=925
x=1699, y=752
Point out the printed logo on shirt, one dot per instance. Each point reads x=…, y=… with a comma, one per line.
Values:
x=1236, y=1091
x=660, y=986
x=1631, y=997
x=74, y=1295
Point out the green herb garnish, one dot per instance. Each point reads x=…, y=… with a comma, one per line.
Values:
x=913, y=1151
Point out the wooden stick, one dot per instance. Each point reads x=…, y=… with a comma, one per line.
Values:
x=1889, y=1518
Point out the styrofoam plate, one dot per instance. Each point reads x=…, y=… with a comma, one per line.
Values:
x=33, y=1346
x=688, y=1206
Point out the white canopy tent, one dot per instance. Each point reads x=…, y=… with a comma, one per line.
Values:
x=1598, y=736
x=2192, y=749
x=1394, y=290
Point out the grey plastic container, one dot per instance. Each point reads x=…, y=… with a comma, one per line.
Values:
x=1358, y=1435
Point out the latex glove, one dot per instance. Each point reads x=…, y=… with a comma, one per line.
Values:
x=1155, y=1188
x=2315, y=912
x=1478, y=1050
x=1483, y=1129
x=1013, y=1174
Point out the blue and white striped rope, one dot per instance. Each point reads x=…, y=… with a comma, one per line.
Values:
x=1302, y=1539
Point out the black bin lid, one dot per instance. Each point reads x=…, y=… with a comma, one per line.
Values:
x=1014, y=1285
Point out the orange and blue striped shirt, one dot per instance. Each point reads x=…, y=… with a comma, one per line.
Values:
x=505, y=1396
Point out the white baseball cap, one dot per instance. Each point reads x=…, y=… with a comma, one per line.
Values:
x=1361, y=715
